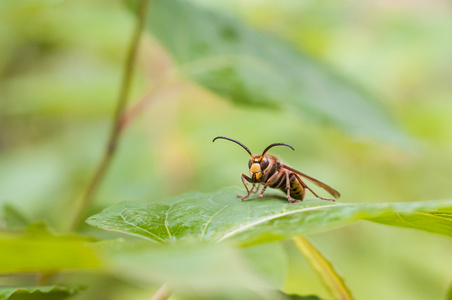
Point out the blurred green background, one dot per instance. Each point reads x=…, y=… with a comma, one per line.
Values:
x=60, y=72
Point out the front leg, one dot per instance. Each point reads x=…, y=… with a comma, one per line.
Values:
x=269, y=181
x=255, y=187
x=244, y=177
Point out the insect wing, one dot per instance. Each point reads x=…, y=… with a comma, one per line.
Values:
x=324, y=186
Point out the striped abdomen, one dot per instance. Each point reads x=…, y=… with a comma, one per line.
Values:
x=297, y=191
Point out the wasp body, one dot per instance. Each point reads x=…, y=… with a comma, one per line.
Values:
x=269, y=171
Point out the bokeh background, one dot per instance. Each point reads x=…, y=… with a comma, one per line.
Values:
x=60, y=71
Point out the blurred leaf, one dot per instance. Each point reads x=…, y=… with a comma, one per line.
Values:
x=37, y=250
x=13, y=217
x=324, y=268
x=9, y=6
x=297, y=297
x=189, y=267
x=37, y=292
x=221, y=216
x=42, y=177
x=449, y=293
x=249, y=67
x=273, y=270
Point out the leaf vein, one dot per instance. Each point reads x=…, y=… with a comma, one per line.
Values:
x=136, y=226
x=269, y=218
x=210, y=220
x=170, y=236
x=434, y=216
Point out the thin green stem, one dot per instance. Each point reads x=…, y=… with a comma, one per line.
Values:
x=116, y=129
x=163, y=293
x=324, y=268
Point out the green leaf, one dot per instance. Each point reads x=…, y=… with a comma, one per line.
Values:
x=274, y=270
x=37, y=250
x=220, y=216
x=324, y=268
x=37, y=292
x=297, y=297
x=188, y=267
x=252, y=68
x=26, y=5
x=449, y=293
x=13, y=217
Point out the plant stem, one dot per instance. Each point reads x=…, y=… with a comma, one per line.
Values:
x=159, y=91
x=45, y=278
x=163, y=293
x=116, y=128
x=324, y=268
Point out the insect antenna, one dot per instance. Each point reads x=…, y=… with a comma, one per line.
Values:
x=232, y=140
x=276, y=144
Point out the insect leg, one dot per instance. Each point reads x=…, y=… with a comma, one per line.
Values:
x=307, y=187
x=269, y=181
x=255, y=185
x=244, y=177
x=288, y=176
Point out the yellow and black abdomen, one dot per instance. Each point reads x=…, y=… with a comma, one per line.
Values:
x=297, y=191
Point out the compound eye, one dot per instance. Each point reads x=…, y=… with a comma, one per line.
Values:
x=264, y=164
x=250, y=163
